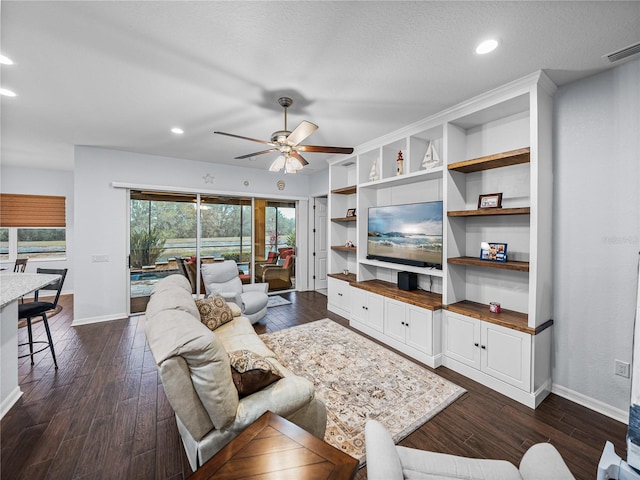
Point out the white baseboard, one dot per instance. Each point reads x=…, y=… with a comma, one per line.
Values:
x=591, y=403
x=105, y=318
x=8, y=402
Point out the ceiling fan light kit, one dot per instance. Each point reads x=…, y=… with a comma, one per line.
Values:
x=287, y=144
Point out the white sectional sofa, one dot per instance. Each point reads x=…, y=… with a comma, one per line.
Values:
x=195, y=370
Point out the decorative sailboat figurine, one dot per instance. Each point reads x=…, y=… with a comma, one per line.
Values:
x=373, y=174
x=431, y=158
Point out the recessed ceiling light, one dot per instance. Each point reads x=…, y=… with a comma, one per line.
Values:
x=486, y=46
x=5, y=60
x=177, y=130
x=7, y=93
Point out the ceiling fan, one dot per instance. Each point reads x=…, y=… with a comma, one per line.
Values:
x=287, y=143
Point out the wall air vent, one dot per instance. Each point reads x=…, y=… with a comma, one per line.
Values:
x=623, y=53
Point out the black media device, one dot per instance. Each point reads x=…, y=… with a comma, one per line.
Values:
x=407, y=281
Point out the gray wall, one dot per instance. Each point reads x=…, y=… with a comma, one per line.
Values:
x=101, y=221
x=596, y=233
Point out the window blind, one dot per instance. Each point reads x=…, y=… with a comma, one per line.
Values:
x=32, y=210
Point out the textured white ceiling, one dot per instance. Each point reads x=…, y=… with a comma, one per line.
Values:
x=121, y=74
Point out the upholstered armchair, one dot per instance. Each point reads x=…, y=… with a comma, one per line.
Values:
x=261, y=263
x=223, y=278
x=284, y=252
x=279, y=277
x=386, y=461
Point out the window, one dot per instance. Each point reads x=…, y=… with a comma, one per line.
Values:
x=41, y=243
x=226, y=229
x=33, y=226
x=4, y=244
x=280, y=225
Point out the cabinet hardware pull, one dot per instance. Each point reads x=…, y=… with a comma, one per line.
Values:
x=483, y=347
x=477, y=344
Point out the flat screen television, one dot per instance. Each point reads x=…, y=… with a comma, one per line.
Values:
x=409, y=234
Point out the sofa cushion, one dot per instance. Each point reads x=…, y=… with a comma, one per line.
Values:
x=177, y=333
x=240, y=335
x=214, y=311
x=235, y=309
x=284, y=397
x=252, y=372
x=172, y=293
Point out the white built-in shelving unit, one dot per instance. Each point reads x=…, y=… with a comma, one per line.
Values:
x=498, y=142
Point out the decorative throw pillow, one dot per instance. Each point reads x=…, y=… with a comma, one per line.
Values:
x=252, y=372
x=214, y=311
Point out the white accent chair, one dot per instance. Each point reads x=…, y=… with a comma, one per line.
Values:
x=386, y=461
x=223, y=278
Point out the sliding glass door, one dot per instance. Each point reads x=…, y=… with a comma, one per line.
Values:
x=164, y=238
x=275, y=240
x=258, y=234
x=225, y=223
x=162, y=229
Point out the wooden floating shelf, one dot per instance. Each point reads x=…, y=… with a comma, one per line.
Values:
x=476, y=262
x=506, y=318
x=419, y=298
x=341, y=248
x=505, y=159
x=486, y=212
x=344, y=219
x=350, y=190
x=349, y=277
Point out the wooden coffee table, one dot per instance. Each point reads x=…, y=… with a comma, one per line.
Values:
x=274, y=448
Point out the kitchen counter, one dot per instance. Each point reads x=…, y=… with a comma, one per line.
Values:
x=12, y=287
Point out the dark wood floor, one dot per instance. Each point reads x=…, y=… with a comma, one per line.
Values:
x=104, y=414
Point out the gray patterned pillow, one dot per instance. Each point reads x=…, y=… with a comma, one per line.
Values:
x=214, y=311
x=251, y=372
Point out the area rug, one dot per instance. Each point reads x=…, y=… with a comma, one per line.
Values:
x=277, y=300
x=359, y=379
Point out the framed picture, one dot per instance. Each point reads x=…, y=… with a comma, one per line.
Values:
x=351, y=212
x=491, y=200
x=494, y=252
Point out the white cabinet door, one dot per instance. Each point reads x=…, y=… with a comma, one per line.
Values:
x=419, y=331
x=359, y=305
x=394, y=320
x=339, y=294
x=462, y=339
x=375, y=309
x=506, y=355
x=367, y=308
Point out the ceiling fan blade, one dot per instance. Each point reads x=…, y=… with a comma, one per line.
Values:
x=323, y=149
x=245, y=138
x=257, y=153
x=301, y=132
x=295, y=154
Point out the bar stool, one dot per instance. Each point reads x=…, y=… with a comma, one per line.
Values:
x=39, y=309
